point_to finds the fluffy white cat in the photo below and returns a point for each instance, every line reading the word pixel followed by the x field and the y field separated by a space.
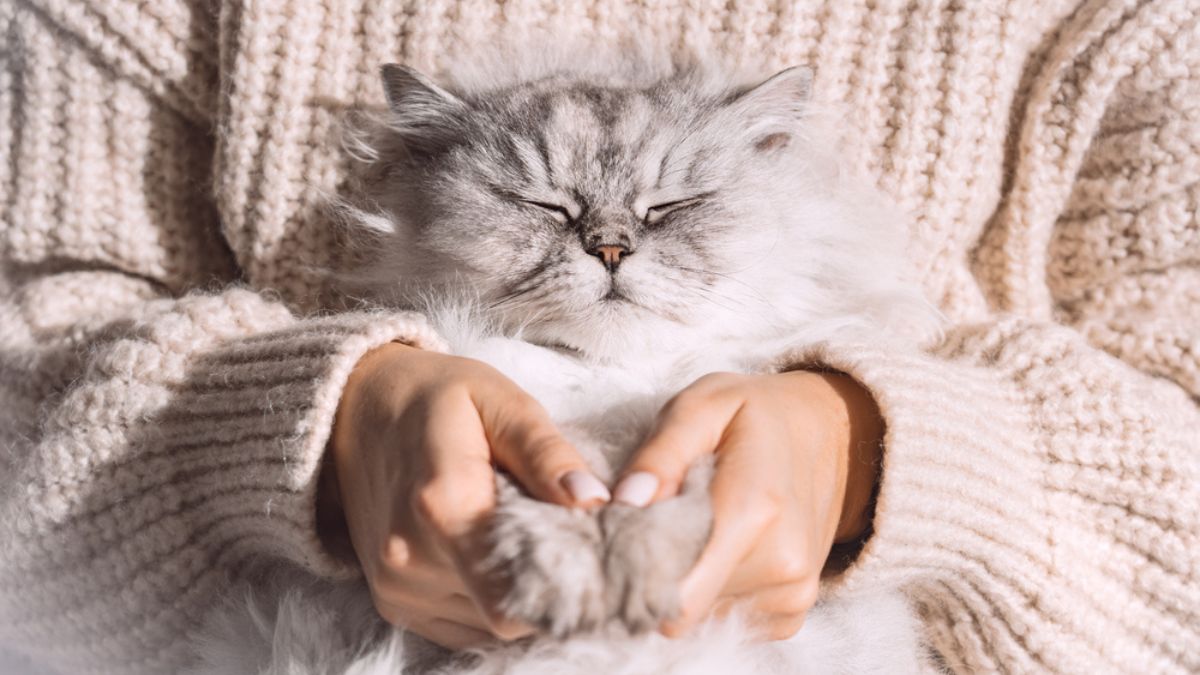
pixel 604 235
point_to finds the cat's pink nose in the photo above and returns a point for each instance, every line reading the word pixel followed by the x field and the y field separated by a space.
pixel 609 254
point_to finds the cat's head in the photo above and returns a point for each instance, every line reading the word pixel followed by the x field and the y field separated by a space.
pixel 607 218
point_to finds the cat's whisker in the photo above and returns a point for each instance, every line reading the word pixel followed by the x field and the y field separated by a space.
pixel 766 302
pixel 712 296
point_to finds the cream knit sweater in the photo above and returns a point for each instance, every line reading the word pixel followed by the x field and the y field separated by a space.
pixel 167 380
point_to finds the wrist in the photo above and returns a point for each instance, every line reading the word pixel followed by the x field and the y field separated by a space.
pixel 862 450
pixel 357 404
pixel 345 438
pixel 853 436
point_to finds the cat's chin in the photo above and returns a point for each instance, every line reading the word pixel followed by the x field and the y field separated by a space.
pixel 612 341
pixel 603 350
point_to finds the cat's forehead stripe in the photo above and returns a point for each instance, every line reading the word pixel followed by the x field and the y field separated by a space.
pixel 574 134
pixel 530 150
pixel 600 144
pixel 511 151
pixel 614 139
pixel 641 125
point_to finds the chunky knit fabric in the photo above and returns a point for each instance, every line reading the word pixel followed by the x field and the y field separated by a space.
pixel 167 376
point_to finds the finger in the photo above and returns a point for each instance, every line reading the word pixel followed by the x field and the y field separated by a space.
pixel 418 569
pixel 462 570
pixel 690 425
pixel 527 444
pixel 768 604
pixel 779 627
pixel 454 506
pixel 741 516
pixel 459 489
pixel 701 587
pixel 464 610
pixel 783 560
pixel 422 584
pixel 450 634
pixel 775 613
pixel 456 607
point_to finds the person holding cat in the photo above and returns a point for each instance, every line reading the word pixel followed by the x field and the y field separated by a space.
pixel 181 404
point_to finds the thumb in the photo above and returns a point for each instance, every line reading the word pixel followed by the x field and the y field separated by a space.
pixel 690 426
pixel 527 444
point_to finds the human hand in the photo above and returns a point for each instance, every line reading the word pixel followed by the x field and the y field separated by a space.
pixel 415 441
pixel 796 464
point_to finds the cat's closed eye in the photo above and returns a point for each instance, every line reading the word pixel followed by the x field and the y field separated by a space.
pixel 659 211
pixel 560 213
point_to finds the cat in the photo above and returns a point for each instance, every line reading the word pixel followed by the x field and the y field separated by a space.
pixel 619 241
pixel 604 236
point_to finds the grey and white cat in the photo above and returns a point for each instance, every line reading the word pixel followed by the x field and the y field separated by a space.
pixel 604 239
pixel 621 240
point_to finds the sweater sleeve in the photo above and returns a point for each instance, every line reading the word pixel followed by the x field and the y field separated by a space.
pixel 1040 493
pixel 154 439
pixel 1039 501
pixel 187 445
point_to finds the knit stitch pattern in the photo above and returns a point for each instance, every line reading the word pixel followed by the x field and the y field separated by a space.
pixel 169 366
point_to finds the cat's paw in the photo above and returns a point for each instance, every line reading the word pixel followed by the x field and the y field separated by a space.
pixel 549 557
pixel 643 569
pixel 649 550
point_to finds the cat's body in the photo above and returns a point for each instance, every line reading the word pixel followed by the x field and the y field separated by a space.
pixel 572 571
pixel 622 238
pixel 603 238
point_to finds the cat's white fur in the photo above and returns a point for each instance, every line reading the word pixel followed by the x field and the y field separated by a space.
pixel 826 263
pixel 298 626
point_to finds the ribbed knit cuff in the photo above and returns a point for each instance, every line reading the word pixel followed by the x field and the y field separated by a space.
pixel 959 523
pixel 1036 501
pixel 274 397
pixel 187 447
pixel 949 483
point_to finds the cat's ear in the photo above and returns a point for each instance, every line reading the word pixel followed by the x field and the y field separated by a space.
pixel 408 92
pixel 772 107
pixel 425 118
pixel 789 87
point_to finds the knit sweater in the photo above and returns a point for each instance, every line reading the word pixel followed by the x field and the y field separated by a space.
pixel 170 366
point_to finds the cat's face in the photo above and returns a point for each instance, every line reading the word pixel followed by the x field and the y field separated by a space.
pixel 599 217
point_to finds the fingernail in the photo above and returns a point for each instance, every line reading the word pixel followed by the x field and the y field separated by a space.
pixel 637 489
pixel 584 487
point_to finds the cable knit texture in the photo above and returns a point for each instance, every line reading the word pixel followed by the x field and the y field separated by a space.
pixel 169 372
